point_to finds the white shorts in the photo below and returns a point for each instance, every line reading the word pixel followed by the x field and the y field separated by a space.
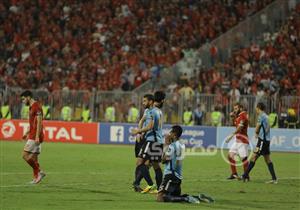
pixel 32 147
pixel 239 148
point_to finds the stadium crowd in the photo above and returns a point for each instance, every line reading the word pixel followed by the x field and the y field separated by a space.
pixel 119 44
pixel 266 68
pixel 106 44
pixel 264 71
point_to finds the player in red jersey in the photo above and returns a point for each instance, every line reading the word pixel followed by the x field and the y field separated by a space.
pixel 240 136
pixel 34 136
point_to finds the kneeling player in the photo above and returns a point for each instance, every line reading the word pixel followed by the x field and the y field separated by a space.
pixel 170 190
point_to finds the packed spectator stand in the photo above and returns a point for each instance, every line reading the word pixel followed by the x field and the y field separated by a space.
pixel 56 46
pixel 106 44
pixel 268 70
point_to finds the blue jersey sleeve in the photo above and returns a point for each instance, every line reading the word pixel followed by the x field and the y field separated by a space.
pixel 180 151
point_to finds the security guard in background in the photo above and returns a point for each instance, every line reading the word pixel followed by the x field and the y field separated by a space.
pixel 273 120
pixel 86 114
pixel 216 117
pixel 46 111
pixel 188 117
pixel 66 113
pixel 5 112
pixel 110 113
pixel 133 114
pixel 25 112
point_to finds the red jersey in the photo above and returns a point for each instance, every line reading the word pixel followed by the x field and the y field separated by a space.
pixel 34 111
pixel 242 120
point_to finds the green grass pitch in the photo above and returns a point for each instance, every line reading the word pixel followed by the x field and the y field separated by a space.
pixel 88 177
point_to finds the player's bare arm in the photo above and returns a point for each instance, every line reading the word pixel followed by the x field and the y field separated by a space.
pixel 169 138
pixel 232 115
pixel 140 125
pixel 143 130
pixel 25 136
pixel 168 141
pixel 228 139
pixel 165 158
pixel 141 122
pixel 38 128
pixel 257 128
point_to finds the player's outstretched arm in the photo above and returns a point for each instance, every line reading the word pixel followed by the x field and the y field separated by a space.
pixel 239 128
pixel 228 138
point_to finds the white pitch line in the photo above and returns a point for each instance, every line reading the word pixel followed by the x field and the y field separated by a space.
pixel 225 180
pixel 43 185
pixel 82 184
pixel 67 173
pixel 101 173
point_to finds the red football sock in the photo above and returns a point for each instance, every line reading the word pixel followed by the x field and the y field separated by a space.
pixel 245 165
pixel 232 165
pixel 35 166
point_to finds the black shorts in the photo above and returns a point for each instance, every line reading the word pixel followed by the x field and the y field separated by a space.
pixel 262 147
pixel 151 151
pixel 138 146
pixel 171 185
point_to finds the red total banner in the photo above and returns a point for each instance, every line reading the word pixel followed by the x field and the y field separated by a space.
pixel 54 131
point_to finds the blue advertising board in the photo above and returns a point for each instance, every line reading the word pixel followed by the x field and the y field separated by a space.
pixel 119 133
pixel 116 133
pixel 196 135
pixel 281 139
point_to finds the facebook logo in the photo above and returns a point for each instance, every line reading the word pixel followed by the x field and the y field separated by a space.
pixel 117 134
